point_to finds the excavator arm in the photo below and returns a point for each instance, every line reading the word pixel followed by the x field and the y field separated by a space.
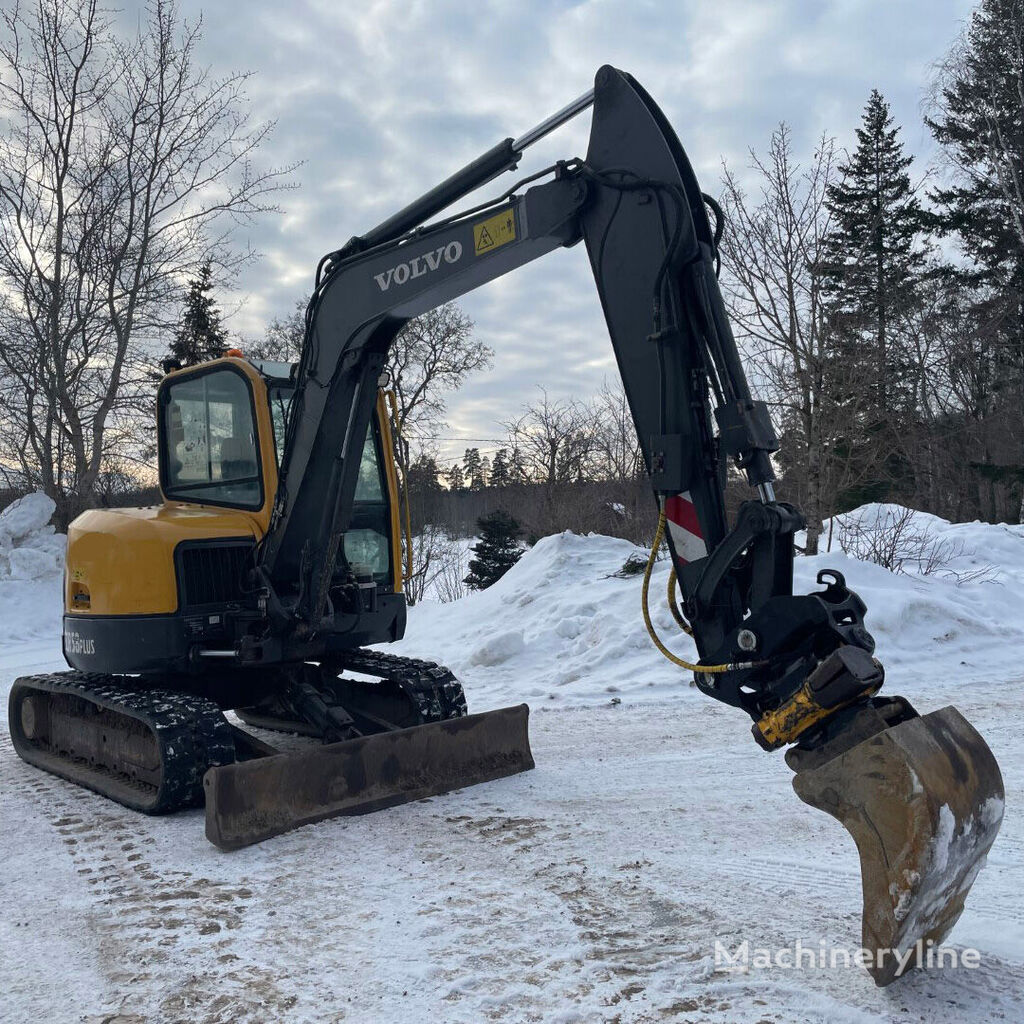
pixel 922 796
pixel 636 204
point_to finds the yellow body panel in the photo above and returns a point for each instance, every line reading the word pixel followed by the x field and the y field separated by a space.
pixel 121 561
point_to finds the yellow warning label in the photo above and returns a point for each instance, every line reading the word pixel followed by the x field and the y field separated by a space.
pixel 494 232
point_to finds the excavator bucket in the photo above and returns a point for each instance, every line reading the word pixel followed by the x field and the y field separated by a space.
pixel 250 801
pixel 923 801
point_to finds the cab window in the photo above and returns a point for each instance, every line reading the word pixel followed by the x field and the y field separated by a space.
pixel 368 538
pixel 280 402
pixel 208 441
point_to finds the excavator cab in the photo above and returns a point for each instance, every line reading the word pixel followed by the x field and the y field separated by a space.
pixel 164 589
pixel 210 455
pixel 208 439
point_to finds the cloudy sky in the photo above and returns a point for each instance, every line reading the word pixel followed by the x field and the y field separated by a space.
pixel 381 99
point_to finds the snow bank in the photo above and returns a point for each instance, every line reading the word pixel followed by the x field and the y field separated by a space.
pixel 560 628
pixel 920 544
pixel 29 548
pixel 31 563
pixel 557 627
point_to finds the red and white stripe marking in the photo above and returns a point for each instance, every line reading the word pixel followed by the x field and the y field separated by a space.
pixel 684 528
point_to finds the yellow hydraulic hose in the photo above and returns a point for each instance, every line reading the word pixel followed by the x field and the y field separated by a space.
pixel 655 639
pixel 407 519
pixel 673 607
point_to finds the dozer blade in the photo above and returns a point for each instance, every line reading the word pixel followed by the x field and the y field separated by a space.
pixel 923 801
pixel 253 800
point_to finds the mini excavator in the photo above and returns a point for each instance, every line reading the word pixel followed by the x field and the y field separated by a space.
pixel 272 571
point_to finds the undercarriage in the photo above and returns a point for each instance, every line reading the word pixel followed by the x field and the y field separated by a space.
pixel 394 729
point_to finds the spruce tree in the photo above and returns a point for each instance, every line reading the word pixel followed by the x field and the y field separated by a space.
pixel 875 257
pixel 496 551
pixel 200 334
pixel 978 119
pixel 871 276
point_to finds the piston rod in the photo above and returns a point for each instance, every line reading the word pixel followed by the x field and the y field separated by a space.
pixel 567 113
pixel 500 158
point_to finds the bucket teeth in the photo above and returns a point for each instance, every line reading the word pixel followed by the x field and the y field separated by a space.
pixel 923 801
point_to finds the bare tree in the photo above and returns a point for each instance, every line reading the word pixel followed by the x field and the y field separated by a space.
pixel 555 439
pixel 283 337
pixel 616 447
pixel 772 257
pixel 439 564
pixel 431 356
pixel 123 164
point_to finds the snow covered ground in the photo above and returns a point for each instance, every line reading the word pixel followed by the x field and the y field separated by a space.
pixel 593 888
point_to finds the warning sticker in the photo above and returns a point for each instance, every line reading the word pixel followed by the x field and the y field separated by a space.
pixel 494 232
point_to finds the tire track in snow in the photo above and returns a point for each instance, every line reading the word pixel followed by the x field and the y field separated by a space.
pixel 150 920
pixel 628 936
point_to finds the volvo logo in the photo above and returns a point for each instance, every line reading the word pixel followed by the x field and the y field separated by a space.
pixel 419 265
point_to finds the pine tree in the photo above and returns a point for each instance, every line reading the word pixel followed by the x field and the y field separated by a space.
pixel 875 257
pixel 456 481
pixel 423 475
pixel 500 476
pixel 472 469
pixel 517 466
pixel 200 334
pixel 496 551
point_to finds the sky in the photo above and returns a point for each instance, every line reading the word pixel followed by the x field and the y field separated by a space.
pixel 381 99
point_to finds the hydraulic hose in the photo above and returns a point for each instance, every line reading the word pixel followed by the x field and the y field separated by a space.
pixel 407 517
pixel 653 633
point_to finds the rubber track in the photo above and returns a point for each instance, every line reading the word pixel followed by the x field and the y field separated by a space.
pixel 191 731
pixel 434 689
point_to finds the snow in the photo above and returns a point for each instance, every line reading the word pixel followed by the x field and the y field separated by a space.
pixel 31 562
pixel 592 888
pixel 29 548
pixel 26 516
pixel 498 649
pixel 583 637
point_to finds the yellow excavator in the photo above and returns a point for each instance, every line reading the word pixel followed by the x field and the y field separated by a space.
pixel 266 581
